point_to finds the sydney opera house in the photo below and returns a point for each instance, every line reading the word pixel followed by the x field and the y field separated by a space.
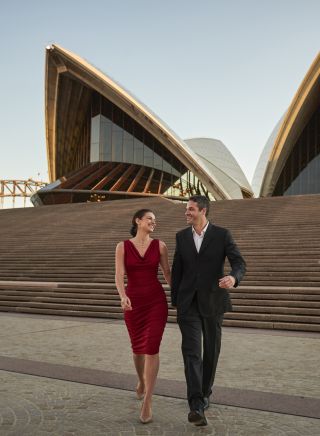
pixel 103 143
pixel 290 161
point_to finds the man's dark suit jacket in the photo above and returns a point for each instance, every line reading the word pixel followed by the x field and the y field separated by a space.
pixel 194 272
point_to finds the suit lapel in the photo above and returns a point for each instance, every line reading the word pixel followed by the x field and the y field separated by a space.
pixel 207 238
pixel 190 241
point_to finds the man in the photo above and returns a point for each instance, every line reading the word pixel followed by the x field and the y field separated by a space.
pixel 199 292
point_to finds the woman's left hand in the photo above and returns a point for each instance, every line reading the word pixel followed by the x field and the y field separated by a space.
pixel 126 303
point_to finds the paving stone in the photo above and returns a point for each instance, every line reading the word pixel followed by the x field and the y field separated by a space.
pixel 265 362
pixel 170 415
pixel 39 406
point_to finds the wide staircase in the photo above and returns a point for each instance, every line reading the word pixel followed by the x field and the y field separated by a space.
pixel 60 259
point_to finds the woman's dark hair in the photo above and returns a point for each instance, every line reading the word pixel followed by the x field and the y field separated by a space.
pixel 139 214
pixel 202 202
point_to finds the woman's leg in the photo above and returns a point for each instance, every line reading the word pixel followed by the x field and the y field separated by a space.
pixel 151 368
pixel 139 363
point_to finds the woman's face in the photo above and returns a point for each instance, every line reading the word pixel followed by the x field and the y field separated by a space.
pixel 147 223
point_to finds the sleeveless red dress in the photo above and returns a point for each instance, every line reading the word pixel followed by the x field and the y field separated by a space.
pixel 147 319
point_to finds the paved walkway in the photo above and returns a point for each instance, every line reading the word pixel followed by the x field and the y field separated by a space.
pixel 72 376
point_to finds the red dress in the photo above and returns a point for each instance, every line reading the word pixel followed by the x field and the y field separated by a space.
pixel 147 319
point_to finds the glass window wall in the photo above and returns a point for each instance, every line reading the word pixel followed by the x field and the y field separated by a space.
pixel 115 137
pixel 121 139
pixel 301 173
pixel 128 155
pixel 106 139
pixel 95 139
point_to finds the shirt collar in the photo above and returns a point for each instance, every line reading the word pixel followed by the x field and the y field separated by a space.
pixel 203 231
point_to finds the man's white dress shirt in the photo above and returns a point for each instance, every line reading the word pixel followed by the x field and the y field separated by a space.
pixel 199 238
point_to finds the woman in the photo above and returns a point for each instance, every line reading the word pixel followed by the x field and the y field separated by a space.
pixel 143 301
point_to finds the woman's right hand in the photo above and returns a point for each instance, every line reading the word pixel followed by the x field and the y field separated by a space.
pixel 126 303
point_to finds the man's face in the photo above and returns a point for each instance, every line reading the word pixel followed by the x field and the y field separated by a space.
pixel 193 214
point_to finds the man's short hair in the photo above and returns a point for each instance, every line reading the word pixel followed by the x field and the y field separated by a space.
pixel 201 201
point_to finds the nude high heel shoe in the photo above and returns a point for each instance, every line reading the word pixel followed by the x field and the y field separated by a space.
pixel 148 419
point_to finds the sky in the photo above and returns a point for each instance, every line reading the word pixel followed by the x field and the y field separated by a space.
pixel 226 69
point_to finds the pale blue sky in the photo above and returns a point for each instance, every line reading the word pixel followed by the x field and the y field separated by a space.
pixel 226 69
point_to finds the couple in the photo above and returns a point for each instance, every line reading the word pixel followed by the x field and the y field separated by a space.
pixel 198 291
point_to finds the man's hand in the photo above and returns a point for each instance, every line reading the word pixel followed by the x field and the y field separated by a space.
pixel 126 303
pixel 227 282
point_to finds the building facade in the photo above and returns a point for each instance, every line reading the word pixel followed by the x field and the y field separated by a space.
pixel 290 161
pixel 103 143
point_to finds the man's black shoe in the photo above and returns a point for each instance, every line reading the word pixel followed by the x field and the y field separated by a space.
pixel 197 417
pixel 206 403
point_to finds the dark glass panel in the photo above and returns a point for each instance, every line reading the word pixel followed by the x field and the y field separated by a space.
pixel 106 108
pixel 138 131
pixel 148 149
pixel 303 148
pixel 117 143
pixel 148 140
pixel 138 152
pixel 117 116
pixel 148 157
pixel 128 123
pixel 117 137
pixel 128 155
pixel 106 139
pixel 305 181
pixel 95 129
pixel 167 167
pixel 95 139
pixel 95 104
pixel 157 161
pixel 301 173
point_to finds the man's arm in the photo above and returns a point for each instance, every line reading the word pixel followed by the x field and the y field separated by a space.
pixel 176 274
pixel 238 264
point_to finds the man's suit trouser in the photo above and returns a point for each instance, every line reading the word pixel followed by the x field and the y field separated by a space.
pixel 199 371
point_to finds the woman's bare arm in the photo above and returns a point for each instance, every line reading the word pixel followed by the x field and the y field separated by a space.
pixel 164 262
pixel 119 278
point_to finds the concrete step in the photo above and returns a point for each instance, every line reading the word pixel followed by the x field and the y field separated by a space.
pixel 284 282
pixel 272 325
pixel 273 317
pixel 299 303
pixel 281 248
pixel 276 310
